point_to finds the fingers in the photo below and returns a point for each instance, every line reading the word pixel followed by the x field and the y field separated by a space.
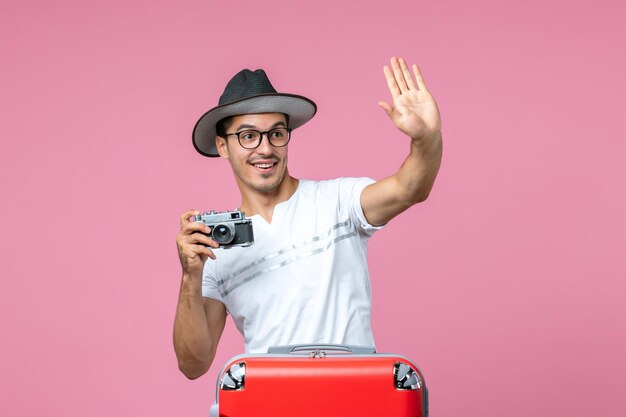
pixel 199 238
pixel 191 254
pixel 196 233
pixel 186 216
pixel 193 237
pixel 391 82
pixel 204 252
pixel 194 246
pixel 418 77
pixel 399 77
pixel 406 74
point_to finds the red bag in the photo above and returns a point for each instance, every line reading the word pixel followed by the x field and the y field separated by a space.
pixel 320 381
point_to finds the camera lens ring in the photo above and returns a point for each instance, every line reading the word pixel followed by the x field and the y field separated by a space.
pixel 223 233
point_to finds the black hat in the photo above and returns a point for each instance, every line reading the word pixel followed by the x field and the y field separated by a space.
pixel 246 93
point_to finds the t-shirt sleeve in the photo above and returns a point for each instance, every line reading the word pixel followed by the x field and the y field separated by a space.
pixel 209 282
pixel 351 192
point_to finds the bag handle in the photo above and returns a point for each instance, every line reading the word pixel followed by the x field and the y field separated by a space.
pixel 357 350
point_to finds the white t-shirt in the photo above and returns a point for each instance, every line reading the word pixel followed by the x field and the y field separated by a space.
pixel 305 279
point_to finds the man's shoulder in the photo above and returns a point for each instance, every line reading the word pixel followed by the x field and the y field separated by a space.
pixel 334 182
pixel 341 185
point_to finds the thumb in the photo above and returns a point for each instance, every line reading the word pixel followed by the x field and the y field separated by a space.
pixel 387 108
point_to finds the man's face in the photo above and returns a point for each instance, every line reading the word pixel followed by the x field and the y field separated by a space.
pixel 263 168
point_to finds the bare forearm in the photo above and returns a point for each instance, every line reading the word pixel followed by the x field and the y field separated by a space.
pixel 416 176
pixel 192 339
pixel 411 184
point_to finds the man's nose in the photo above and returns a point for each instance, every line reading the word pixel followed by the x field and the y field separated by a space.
pixel 265 147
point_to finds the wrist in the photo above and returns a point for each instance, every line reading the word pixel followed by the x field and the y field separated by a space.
pixel 427 143
pixel 191 283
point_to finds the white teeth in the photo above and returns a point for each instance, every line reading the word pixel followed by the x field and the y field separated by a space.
pixel 263 165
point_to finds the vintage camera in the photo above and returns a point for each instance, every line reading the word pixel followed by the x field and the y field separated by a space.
pixel 228 228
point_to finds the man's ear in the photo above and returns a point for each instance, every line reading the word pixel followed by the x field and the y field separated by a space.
pixel 222 146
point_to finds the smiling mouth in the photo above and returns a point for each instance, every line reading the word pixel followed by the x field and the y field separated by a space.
pixel 264 165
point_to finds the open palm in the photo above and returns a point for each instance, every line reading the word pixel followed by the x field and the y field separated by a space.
pixel 414 110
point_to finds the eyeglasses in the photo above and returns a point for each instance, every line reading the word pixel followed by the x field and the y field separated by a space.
pixel 251 139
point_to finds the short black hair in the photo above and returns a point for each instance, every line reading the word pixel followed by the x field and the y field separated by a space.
pixel 223 125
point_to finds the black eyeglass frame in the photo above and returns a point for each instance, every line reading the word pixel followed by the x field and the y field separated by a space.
pixel 266 133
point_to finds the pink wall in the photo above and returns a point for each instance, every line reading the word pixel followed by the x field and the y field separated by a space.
pixel 507 286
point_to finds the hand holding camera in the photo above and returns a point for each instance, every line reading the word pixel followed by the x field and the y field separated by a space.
pixel 228 228
pixel 200 233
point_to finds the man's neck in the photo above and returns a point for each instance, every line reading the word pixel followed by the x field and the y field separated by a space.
pixel 263 203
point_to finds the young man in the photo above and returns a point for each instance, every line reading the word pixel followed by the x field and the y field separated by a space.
pixel 305 279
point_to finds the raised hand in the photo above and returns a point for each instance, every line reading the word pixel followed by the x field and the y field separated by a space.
pixel 414 110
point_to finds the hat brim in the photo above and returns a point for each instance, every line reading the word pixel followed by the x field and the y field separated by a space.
pixel 299 109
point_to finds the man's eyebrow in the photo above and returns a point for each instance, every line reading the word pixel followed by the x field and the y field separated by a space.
pixel 278 124
pixel 247 126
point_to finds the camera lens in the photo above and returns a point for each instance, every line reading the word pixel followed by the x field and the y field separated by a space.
pixel 223 233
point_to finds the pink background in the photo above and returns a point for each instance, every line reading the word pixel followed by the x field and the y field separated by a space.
pixel 506 286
